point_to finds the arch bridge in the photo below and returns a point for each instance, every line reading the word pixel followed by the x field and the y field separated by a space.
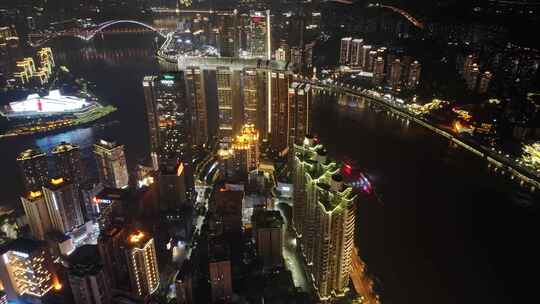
pixel 86 34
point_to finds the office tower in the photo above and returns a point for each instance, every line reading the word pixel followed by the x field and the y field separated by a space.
pixel 356 52
pixel 199 116
pixel 345 50
pixel 169 122
pixel 219 268
pixel 26 69
pixel 109 246
pixel 364 57
pixel 67 161
pixel 228 210
pixel 280 54
pixel 324 219
pixel 87 278
pixel 299 113
pixel 279 110
pixel 26 269
pixel 111 164
pixel 228 36
pixel 395 75
pixel 268 235
pixel 414 75
pixel 46 59
pixel 251 96
pixel 184 283
pixel 259 37
pixel 33 169
pixel 140 254
pixel 168 118
pixel 37 214
pixel 246 149
pixel 483 85
pixel 62 201
pixel 378 71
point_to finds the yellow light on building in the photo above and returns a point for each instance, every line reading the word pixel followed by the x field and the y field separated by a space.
pixel 57 181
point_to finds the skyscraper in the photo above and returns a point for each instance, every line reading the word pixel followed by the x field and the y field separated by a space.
pixel 395 75
pixel 356 52
pixel 279 110
pixel 323 218
pixel 259 38
pixel 364 57
pixel 345 50
pixel 199 116
pixel 169 124
pixel 111 164
pixel 87 278
pixel 140 254
pixel 299 113
pixel 251 96
pixel 67 161
pixel 62 201
pixel 228 36
pixel 378 71
pixel 184 283
pixel 169 120
pixel 414 75
pixel 37 214
pixel 33 169
pixel 25 269
pixel 225 105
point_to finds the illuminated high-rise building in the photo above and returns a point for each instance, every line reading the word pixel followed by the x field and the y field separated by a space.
pixel 483 84
pixel 299 113
pixel 110 243
pixel 33 168
pixel 111 164
pixel 87 278
pixel 229 108
pixel 364 57
pixel 280 54
pixel 279 110
pixel 324 219
pixel 251 96
pixel 26 68
pixel 37 214
pixel 46 60
pixel 67 162
pixel 356 52
pixel 296 56
pixel 169 123
pixel 259 37
pixel 228 36
pixel 414 75
pixel 246 149
pixel 62 200
pixel 378 71
pixel 199 116
pixel 140 254
pixel 345 50
pixel 395 75
pixel 372 57
pixel 25 269
pixel 471 77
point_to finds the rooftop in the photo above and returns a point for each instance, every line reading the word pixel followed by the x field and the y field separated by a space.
pixel 85 261
pixel 267 219
pixel 64 147
pixel 29 154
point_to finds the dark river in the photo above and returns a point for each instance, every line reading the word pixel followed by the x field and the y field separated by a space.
pixel 444 229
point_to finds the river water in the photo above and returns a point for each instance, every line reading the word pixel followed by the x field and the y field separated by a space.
pixel 443 228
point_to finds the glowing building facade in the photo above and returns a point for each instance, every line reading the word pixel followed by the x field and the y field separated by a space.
pixel 323 218
pixel 246 149
pixel 33 169
pixel 199 115
pixel 279 109
pixel 259 37
pixel 25 269
pixel 140 254
pixel 62 201
pixel 111 164
pixel 37 214
pixel 67 161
